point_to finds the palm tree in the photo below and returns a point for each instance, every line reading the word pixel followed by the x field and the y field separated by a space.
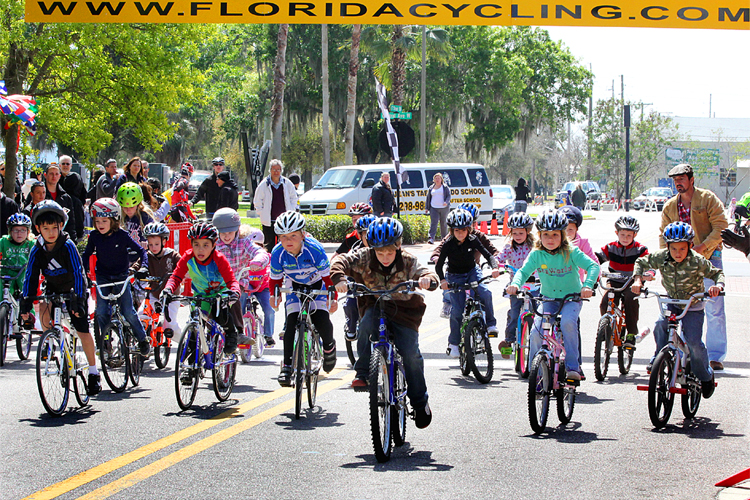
pixel 279 80
pixel 351 101
pixel 324 78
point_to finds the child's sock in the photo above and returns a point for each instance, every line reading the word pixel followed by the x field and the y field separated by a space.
pixel 93 370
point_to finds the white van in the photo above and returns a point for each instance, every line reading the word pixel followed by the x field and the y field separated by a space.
pixel 341 187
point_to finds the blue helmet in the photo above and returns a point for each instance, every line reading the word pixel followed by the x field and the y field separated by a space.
pixel 677 232
pixel 384 231
pixel 471 208
pixel 364 222
pixel 573 214
pixel 19 219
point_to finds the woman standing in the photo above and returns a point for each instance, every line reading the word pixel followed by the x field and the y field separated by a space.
pixel 438 205
pixel 134 171
pixel 522 196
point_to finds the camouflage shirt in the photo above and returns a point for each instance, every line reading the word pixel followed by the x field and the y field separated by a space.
pixel 680 279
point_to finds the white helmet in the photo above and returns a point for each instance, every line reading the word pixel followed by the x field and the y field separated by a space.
pixel 551 220
pixel 289 222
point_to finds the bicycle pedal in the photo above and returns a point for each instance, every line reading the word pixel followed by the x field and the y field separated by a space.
pixel 573 383
pixel 492 335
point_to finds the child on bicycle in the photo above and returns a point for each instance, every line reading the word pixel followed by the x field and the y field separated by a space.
pixel 135 214
pixel 113 247
pixel 514 254
pixel 382 266
pixel 683 271
pixel 210 273
pixel 238 246
pixel 162 262
pixel 356 211
pixel 458 249
pixel 622 254
pixel 55 256
pixel 301 259
pixel 558 263
pixel 15 248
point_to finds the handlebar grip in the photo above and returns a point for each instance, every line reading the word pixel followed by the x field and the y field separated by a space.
pixel 433 286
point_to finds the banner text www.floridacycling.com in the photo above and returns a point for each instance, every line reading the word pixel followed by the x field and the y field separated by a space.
pixel 701 14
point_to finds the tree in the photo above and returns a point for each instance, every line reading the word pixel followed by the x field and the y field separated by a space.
pixel 279 81
pixel 351 95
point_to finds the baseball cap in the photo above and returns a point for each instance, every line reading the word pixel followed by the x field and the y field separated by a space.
pixel 681 169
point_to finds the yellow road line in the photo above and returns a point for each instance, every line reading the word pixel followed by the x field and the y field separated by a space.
pixel 178 456
pixel 62 487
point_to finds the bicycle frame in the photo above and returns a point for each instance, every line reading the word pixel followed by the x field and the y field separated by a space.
pixel 151 318
pixel 306 296
pixel 8 297
pixel 614 313
pixel 204 344
pixel 112 298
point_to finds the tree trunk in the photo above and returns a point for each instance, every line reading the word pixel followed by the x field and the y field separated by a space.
pixel 398 66
pixel 279 81
pixel 14 75
pixel 351 100
pixel 324 77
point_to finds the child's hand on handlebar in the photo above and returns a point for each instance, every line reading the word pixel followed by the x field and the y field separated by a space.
pixel 275 301
pixel 341 287
pixel 332 306
pixel 443 284
pixel 586 292
pixel 714 291
pixel 495 273
pixel 511 290
pixel 425 283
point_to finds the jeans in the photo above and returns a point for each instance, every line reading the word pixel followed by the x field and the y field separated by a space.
pixel 568 325
pixel 438 215
pixel 104 311
pixel 520 206
pixel 407 343
pixel 351 315
pixel 511 327
pixel 692 332
pixel 264 298
pixel 458 300
pixel 716 329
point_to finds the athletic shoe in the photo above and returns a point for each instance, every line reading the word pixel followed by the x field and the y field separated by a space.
pixel 230 345
pixel 573 375
pixel 707 388
pixel 245 340
pixel 580 372
pixel 423 416
pixel 359 385
pixel 492 332
pixel 452 351
pixel 270 342
pixel 145 347
pixel 94 386
pixel 186 377
pixel 329 358
pixel 629 340
pixel 717 365
pixel 285 377
pixel 446 311
pixel 169 333
pixel 505 348
pixel 350 336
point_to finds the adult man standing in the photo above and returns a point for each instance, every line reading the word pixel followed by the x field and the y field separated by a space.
pixel 108 183
pixel 144 171
pixel 579 197
pixel 17 183
pixel 210 189
pixel 274 195
pixel 72 183
pixel 382 196
pixel 703 210
pixel 57 193
pixel 7 208
pixel 37 194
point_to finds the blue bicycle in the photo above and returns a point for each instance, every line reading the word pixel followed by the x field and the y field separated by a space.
pixel 204 337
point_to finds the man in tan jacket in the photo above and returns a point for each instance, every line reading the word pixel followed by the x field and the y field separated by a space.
pixel 703 210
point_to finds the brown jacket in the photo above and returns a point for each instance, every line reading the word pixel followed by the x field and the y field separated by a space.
pixel 706 217
pixel 363 266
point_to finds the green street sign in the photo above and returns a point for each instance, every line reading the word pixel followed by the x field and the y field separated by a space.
pixel 398 116
pixel 395 108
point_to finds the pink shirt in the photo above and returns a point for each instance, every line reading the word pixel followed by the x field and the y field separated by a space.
pixel 585 247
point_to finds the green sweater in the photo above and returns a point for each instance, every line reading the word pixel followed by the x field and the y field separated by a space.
pixel 559 277
pixel 12 254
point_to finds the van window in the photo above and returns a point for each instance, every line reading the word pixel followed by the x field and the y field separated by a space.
pixel 453 177
pixel 478 177
pixel 414 182
pixel 339 178
pixel 374 176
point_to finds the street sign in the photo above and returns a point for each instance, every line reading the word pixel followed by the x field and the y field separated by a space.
pixel 398 116
pixel 395 108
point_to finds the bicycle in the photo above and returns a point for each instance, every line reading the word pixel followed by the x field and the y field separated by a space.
pixel 10 327
pixel 119 353
pixel 672 366
pixel 151 320
pixel 190 367
pixel 610 332
pixel 57 361
pixel 253 323
pixel 547 374
pixel 519 349
pixel 307 357
pixel 387 379
pixel 475 351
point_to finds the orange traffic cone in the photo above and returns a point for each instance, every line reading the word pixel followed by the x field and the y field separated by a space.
pixel 483 227
pixel 493 227
pixel 506 229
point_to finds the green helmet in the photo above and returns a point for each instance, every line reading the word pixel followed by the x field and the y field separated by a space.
pixel 129 195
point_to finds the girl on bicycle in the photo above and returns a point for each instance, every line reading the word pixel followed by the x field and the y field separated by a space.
pixel 237 243
pixel 136 214
pixel 162 262
pixel 113 246
pixel 558 263
pixel 514 254
pixel 459 249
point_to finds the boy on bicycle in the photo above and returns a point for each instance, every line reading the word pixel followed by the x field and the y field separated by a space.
pixel 16 246
pixel 382 266
pixel 162 262
pixel 302 260
pixel 622 254
pixel 683 271
pixel 55 256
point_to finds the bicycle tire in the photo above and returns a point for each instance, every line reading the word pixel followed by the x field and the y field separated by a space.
pixel 23 344
pixel 624 359
pixel 135 359
pixel 186 392
pixel 224 371
pixel 4 332
pixel 522 350
pixel 52 374
pixel 380 406
pixel 315 362
pixel 692 400
pixel 350 350
pixel 479 352
pixel 566 401
pixel 463 359
pixel 601 348
pixel 115 357
pixel 399 412
pixel 80 382
pixel 540 390
pixel 660 400
pixel 247 325
pixel 260 339
pixel 162 350
pixel 298 368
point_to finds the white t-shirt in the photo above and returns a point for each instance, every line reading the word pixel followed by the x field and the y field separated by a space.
pixel 438 200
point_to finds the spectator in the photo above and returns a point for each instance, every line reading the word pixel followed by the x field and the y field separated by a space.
pixel 7 208
pixel 144 169
pixel 579 197
pixel 106 186
pixel 274 195
pixel 523 197
pixel 18 184
pixel 296 179
pixel 228 192
pixel 134 171
pixel 57 193
pixel 37 194
pixel 382 196
pixel 209 189
pixel 438 205
pixel 96 174
pixel 34 176
pixel 72 183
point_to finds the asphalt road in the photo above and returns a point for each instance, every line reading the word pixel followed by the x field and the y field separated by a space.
pixel 139 445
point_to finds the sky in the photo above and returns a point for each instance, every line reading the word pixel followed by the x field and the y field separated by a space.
pixel 676 70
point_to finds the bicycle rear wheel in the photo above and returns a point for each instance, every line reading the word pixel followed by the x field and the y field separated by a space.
pixel 660 400
pixel 316 361
pixel 162 350
pixel 81 380
pixel 23 344
pixel 52 374
pixel 566 400
pixel 224 370
pixel 248 326
pixel 479 351
pixel 114 355
pixel 136 360
pixel 522 350
pixel 540 389
pixel 463 356
pixel 185 375
pixel 603 348
pixel 692 399
pixel 4 332
pixel 399 411
pixel 298 367
pixel 380 405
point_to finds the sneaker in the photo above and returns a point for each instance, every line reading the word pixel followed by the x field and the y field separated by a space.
pixel 350 336
pixel 649 366
pixel 245 340
pixel 573 375
pixel 186 377
pixel 505 347
pixel 329 358
pixel 359 385
pixel 423 416
pixel 230 345
pixel 94 386
pixel 431 241
pixel 285 377
pixel 145 347
pixel 169 333
pixel 717 365
pixel 281 335
pixel 270 342
pixel 446 311
pixel 580 372
pixel 707 388
pixel 629 340
pixel 492 332
pixel 452 351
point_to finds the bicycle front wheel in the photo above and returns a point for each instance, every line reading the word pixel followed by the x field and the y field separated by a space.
pixel 522 349
pixel 351 350
pixel 185 374
pixel 136 360
pixel 540 389
pixel 4 332
pixel 479 351
pixel 603 348
pixel 248 326
pixel 380 405
pixel 224 370
pixel 315 362
pixel 260 339
pixel 162 349
pixel 566 400
pixel 298 367
pixel 399 410
pixel 23 344
pixel 114 355
pixel 624 359
pixel 81 380
pixel 660 400
pixel 52 374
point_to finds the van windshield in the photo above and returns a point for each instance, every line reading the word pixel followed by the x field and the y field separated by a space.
pixel 339 178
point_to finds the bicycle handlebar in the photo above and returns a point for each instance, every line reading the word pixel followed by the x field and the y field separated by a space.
pixel 359 290
pixel 615 277
pixel 111 296
pixel 535 301
pixel 456 287
pixel 666 300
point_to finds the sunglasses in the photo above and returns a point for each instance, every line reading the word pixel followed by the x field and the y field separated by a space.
pixel 215 164
pixel 65 164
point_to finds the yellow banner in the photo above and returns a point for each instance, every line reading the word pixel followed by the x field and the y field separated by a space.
pixel 701 14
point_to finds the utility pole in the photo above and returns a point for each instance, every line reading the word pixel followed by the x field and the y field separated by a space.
pixel 710 99
pixel 613 89
pixel 626 110
pixel 423 98
pixel 588 132
pixel 622 89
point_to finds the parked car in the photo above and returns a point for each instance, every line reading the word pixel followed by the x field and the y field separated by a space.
pixel 658 195
pixel 591 188
pixel 196 180
pixel 503 198
pixel 245 195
